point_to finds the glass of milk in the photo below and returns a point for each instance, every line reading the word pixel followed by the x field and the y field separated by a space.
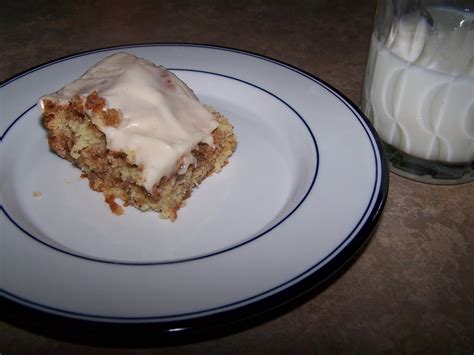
pixel 419 88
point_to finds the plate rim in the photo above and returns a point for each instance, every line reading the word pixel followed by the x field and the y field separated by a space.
pixel 274 301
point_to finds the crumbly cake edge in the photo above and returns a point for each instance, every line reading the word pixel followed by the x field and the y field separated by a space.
pixel 210 160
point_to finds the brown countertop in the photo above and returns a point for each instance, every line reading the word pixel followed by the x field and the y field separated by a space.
pixel 412 288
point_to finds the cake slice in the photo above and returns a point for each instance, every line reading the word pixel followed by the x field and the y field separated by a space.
pixel 138 133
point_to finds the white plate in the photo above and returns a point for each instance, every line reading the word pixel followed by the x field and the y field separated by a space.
pixel 301 194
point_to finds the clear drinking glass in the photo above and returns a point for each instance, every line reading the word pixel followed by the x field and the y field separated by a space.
pixel 419 88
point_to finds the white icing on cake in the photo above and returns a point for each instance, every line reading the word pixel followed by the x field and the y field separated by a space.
pixel 162 118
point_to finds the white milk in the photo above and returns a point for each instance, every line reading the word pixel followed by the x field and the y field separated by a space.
pixel 422 86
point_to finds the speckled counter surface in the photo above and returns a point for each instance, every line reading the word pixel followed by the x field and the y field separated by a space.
pixel 411 290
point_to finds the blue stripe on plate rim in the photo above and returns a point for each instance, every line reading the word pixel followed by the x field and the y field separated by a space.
pixel 330 264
